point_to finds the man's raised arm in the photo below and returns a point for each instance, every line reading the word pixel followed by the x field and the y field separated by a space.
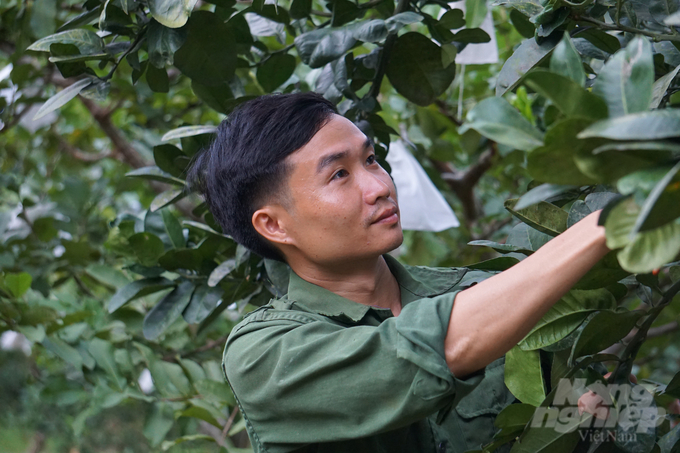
pixel 488 319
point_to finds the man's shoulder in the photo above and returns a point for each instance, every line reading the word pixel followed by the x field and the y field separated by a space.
pixel 275 313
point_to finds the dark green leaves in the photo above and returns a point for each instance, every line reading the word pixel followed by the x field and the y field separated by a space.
pixel 167 310
pixel 163 42
pixel 208 55
pixel 137 289
pixel 654 125
pixel 275 70
pixel 496 119
pixel 566 61
pixel 545 217
pixel 566 94
pixel 416 71
pixel 626 80
pixel 528 55
pixel 524 376
pixel 603 330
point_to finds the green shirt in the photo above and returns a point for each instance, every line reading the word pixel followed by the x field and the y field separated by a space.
pixel 315 372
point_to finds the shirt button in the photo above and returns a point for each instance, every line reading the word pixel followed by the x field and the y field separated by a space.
pixel 442 447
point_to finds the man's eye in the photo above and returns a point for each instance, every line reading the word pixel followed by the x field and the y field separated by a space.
pixel 371 159
pixel 340 174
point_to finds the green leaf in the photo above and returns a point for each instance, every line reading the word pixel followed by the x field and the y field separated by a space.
pixel 203 302
pixel 275 71
pixel 166 198
pixel 215 392
pixel 549 440
pixel 528 55
pixel 472 36
pixel 475 12
pixel 670 442
pixel 155 174
pixel 187 131
pixel 603 330
pixel 653 198
pixel 500 263
pixel 496 119
pixel 157 79
pixel 600 39
pixel 370 31
pixel 219 98
pixel 107 275
pixel 452 19
pixel 524 376
pixel 625 81
pixel 208 55
pixel 555 162
pixel 654 125
pixel 168 444
pixel 415 69
pixel 449 52
pixel 565 316
pixel 620 222
pixel 570 97
pixel 18 283
pixel 651 249
pixel 63 350
pixel 541 193
pixel 173 229
pixel 673 387
pixel 660 87
pixel 398 21
pixel 522 24
pixel 147 248
pixel 163 42
pixel 566 61
pixel 514 416
pixel 545 217
pixel 136 289
pixel 87 42
pixel 300 9
pixel 159 423
pixel 502 248
pixel 102 351
pixel 221 271
pixel 171 13
pixel 167 310
pixel 321 46
pixel 62 97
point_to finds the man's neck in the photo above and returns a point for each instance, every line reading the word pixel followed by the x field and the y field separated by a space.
pixel 368 283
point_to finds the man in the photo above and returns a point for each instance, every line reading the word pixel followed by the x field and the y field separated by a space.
pixel 363 354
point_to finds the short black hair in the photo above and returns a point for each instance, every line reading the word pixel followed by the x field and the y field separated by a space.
pixel 244 166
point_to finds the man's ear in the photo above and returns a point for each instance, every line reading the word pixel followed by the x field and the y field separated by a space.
pixel 270 223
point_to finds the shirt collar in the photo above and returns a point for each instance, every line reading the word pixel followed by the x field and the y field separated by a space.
pixel 415 282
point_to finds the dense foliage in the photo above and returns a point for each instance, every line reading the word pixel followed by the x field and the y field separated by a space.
pixel 110 267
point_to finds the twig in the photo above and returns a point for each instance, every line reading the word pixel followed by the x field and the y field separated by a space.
pixel 227 426
pixel 617 27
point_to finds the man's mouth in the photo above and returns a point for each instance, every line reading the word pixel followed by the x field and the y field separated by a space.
pixel 390 215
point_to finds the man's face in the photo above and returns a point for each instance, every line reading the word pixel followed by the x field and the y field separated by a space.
pixel 344 204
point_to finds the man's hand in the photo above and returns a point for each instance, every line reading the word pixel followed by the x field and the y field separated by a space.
pixel 488 319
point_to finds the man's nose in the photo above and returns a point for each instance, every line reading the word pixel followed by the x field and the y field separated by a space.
pixel 374 187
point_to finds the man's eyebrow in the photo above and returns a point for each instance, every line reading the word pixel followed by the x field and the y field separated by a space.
pixel 331 158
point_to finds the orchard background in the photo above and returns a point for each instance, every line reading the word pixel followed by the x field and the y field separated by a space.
pixel 126 289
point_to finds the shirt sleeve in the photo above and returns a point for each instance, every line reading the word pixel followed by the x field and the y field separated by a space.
pixel 302 379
